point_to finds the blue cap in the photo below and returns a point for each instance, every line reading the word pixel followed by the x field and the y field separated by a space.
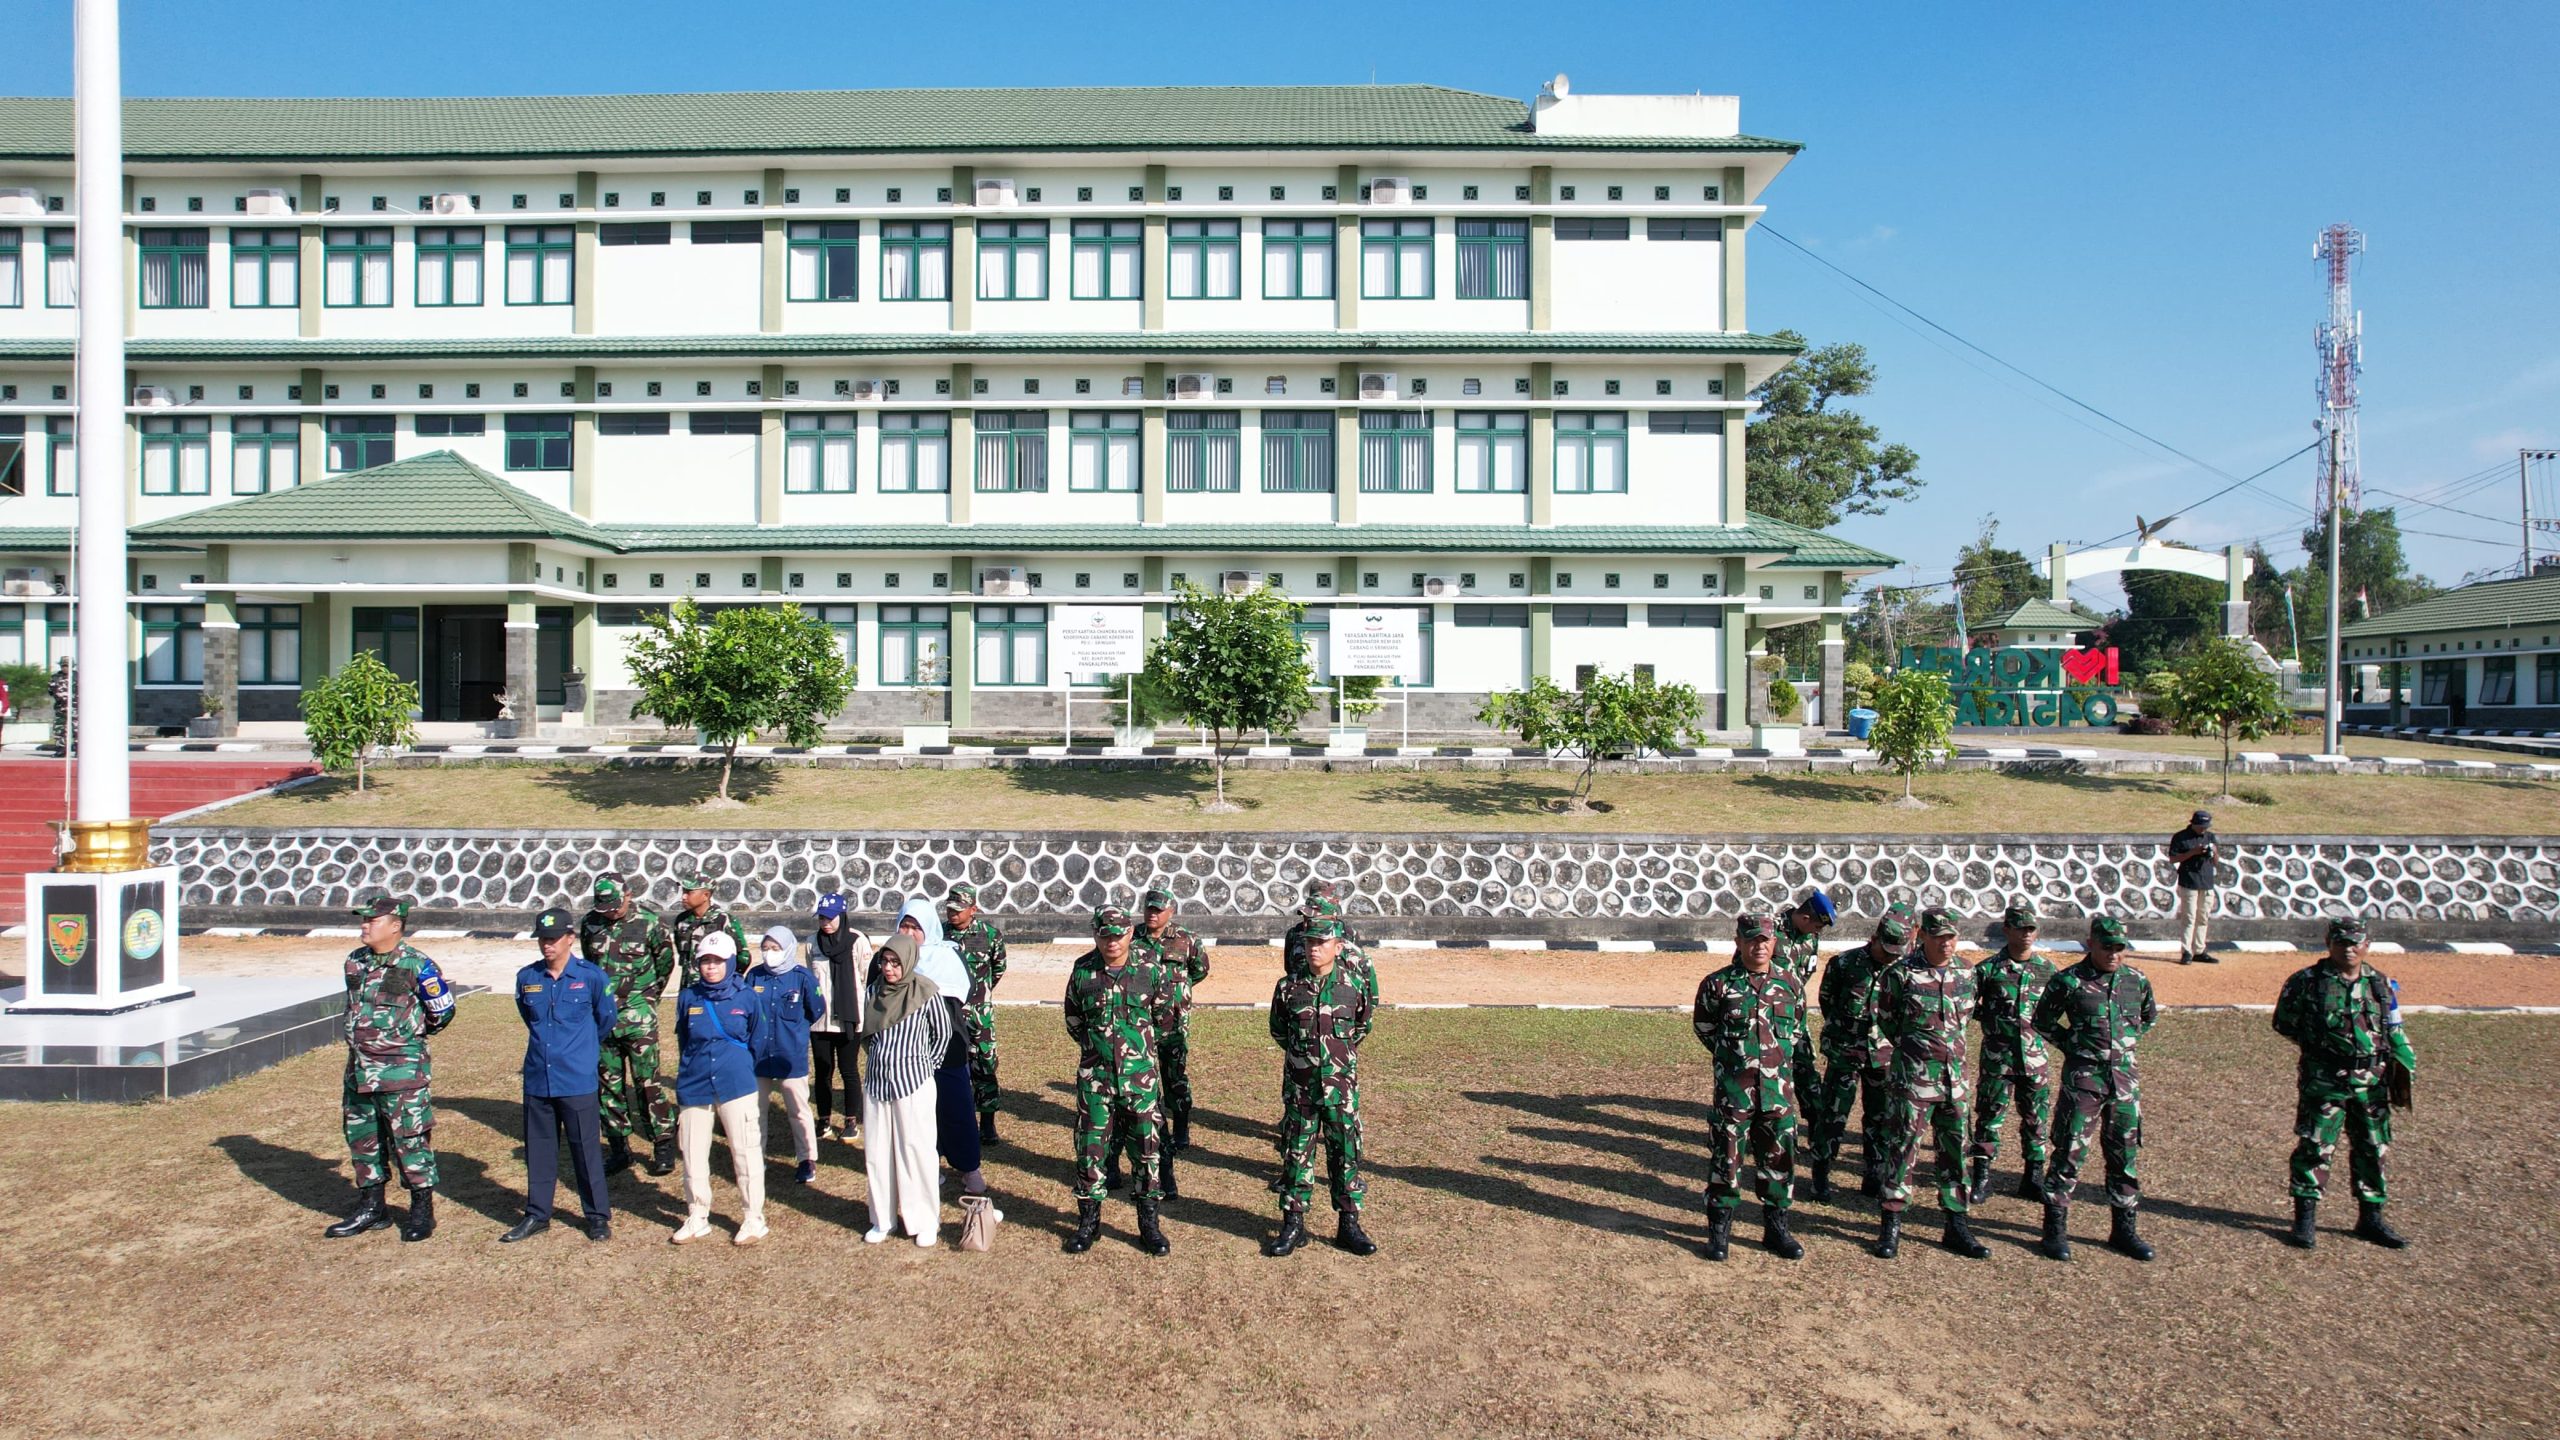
pixel 830 905
pixel 1819 906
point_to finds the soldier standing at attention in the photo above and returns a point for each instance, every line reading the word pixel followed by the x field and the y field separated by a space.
pixel 2006 988
pixel 568 1009
pixel 1853 1054
pixel 699 917
pixel 632 946
pixel 1323 901
pixel 1750 1016
pixel 1116 1007
pixel 2094 1013
pixel 1186 963
pixel 1318 1018
pixel 1922 1008
pixel 2345 1016
pixel 1800 954
pixel 982 954
pixel 396 998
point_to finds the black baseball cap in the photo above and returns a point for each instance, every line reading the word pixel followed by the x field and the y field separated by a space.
pixel 551 924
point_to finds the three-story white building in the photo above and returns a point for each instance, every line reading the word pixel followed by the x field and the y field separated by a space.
pixel 476 383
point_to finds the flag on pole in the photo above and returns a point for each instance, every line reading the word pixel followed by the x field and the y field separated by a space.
pixel 1964 632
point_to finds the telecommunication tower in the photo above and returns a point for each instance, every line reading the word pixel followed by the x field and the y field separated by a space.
pixel 2340 341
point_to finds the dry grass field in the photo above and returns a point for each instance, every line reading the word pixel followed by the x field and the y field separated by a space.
pixel 1535 1180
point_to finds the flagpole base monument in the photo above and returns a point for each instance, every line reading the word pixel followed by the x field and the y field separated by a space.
pixel 102 935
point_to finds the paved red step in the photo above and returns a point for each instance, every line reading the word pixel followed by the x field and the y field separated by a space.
pixel 33 793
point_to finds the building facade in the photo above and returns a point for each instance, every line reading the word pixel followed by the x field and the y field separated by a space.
pixel 475 384
pixel 2484 657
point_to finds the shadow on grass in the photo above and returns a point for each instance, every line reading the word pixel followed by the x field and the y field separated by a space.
pixel 1188 783
pixel 1817 790
pixel 1474 795
pixel 634 1194
pixel 1189 1210
pixel 317 1184
pixel 657 784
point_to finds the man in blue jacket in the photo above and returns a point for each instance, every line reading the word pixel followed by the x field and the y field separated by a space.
pixel 568 1009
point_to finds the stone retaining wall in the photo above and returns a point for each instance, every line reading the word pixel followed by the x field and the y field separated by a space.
pixel 1431 886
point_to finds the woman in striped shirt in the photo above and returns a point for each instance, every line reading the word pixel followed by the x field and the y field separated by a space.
pixel 906 1028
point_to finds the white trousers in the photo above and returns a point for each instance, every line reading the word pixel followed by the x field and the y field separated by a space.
pixel 739 1120
pixel 795 1108
pixel 2195 916
pixel 899 1160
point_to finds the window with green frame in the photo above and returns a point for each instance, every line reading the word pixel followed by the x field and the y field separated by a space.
pixel 1395 259
pixel 1013 260
pixel 915 452
pixel 817 452
pixel 1203 451
pixel 1297 259
pixel 61 458
pixel 392 635
pixel 355 268
pixel 1591 452
pixel 13 269
pixel 825 260
pixel 177 454
pixel 13 637
pixel 542 264
pixel 1102 450
pixel 1493 259
pixel 1013 450
pixel 1297 452
pixel 845 622
pixel 1493 452
pixel 266 453
pixel 172 645
pixel 270 644
pixel 358 442
pixel 1204 260
pixel 1103 260
pixel 913 639
pixel 538 442
pixel 61 268
pixel 176 270
pixel 452 261
pixel 266 269
pixel 1395 451
pixel 13 455
pixel 1012 645
pixel 915 260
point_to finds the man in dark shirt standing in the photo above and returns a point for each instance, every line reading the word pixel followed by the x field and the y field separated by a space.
pixel 2197 854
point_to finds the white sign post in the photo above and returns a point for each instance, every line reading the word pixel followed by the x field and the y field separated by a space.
pixel 1097 639
pixel 1385 641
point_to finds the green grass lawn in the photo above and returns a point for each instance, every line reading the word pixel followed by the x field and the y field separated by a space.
pixel 2361 747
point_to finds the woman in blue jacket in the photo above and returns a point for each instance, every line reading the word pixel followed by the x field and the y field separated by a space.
pixel 718 1027
pixel 789 995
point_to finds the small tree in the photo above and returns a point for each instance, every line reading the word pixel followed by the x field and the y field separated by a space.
pixel 1359 695
pixel 1233 663
pixel 1141 699
pixel 745 669
pixel 1609 715
pixel 362 709
pixel 1915 723
pixel 1857 684
pixel 1784 702
pixel 2221 691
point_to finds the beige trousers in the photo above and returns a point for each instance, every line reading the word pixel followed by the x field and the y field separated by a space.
pixel 2195 916
pixel 795 1108
pixel 899 1160
pixel 739 1120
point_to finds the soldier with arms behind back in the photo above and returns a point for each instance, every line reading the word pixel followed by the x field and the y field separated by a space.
pixel 1800 933
pixel 396 998
pixel 2344 1015
pixel 2006 988
pixel 1922 1008
pixel 637 953
pixel 2094 1013
pixel 1854 1054
pixel 982 954
pixel 1186 963
pixel 699 915
pixel 1116 1006
pixel 1750 1016
pixel 1318 1019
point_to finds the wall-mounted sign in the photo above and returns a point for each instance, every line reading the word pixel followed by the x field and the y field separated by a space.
pixel 2023 685
pixel 1386 640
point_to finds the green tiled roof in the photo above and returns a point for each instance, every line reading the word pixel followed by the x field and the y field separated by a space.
pixel 437 496
pixel 821 122
pixel 1348 344
pixel 2043 614
pixel 1817 550
pixel 2490 605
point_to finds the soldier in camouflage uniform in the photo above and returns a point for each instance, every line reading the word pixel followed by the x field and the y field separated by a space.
pixel 700 916
pixel 1318 1019
pixel 2006 988
pixel 1854 1055
pixel 396 998
pixel 1800 954
pixel 1186 963
pixel 2345 1017
pixel 982 953
pixel 1922 1008
pixel 633 947
pixel 2094 1013
pixel 1116 1007
pixel 1323 901
pixel 1750 1016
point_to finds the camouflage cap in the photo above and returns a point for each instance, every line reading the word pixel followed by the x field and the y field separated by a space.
pixel 1938 920
pixel 1755 926
pixel 2108 931
pixel 1323 890
pixel 1894 926
pixel 960 896
pixel 692 880
pixel 2347 928
pixel 1318 906
pixel 1111 920
pixel 1157 898
pixel 1327 928
pixel 2020 916
pixel 551 924
pixel 380 903
pixel 608 888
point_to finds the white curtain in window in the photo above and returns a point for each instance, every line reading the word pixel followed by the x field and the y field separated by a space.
pixel 61 278
pixel 1609 465
pixel 159 468
pixel 1183 273
pixel 432 275
pixel 991 655
pixel 800 462
pixel 1510 271
pixel 12 276
pixel 1124 270
pixel 933 274
pixel 159 657
pixel 897 657
pixel 1084 270
pixel 1030 656
pixel 338 278
pixel 802 265
pixel 1492 461
pixel 835 461
pixel 1377 269
pixel 1279 268
pixel 1315 270
pixel 284 280
pixel 898 272
pixel 522 275
pixel 1573 471
pixel 377 276
pixel 195 466
pixel 463 282
pixel 994 272
pixel 1413 269
pixel 1225 263
pixel 556 270
pixel 1031 271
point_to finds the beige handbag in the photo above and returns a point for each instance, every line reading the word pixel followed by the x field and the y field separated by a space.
pixel 977 1223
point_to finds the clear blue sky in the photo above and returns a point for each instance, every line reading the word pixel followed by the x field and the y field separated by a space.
pixel 2119 199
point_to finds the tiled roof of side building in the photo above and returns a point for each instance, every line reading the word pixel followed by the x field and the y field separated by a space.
pixel 2489 605
pixel 823 122
pixel 2043 613
pixel 1349 344
pixel 436 496
pixel 1815 549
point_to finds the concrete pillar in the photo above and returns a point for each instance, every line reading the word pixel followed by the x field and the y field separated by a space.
pixel 964 445
pixel 1154 274
pixel 133 267
pixel 1737 462
pixel 1835 654
pixel 311 437
pixel 1346 249
pixel 1542 444
pixel 1734 226
pixel 524 680
pixel 1542 256
pixel 1734 637
pixel 1542 617
pixel 1151 581
pixel 1346 444
pixel 2057 564
pixel 963 656
pixel 582 658
pixel 319 656
pixel 582 442
pixel 775 259
pixel 307 289
pixel 2235 595
pixel 582 277
pixel 769 451
pixel 964 250
pixel 221 641
pixel 1151 449
pixel 1755 691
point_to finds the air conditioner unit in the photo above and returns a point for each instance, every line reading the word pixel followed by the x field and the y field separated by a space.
pixel 1441 587
pixel 869 389
pixel 1240 582
pixel 1377 385
pixel 996 193
pixel 1003 580
pixel 27 580
pixel 154 397
pixel 270 202
pixel 20 200
pixel 453 202
pixel 1390 190
pixel 1194 386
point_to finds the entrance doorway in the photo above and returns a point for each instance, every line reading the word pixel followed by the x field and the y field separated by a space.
pixel 466 661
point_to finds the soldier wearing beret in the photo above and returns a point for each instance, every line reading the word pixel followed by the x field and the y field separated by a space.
pixel 2095 1013
pixel 2344 1016
pixel 1922 1007
pixel 701 915
pixel 396 998
pixel 1750 1016
pixel 2006 988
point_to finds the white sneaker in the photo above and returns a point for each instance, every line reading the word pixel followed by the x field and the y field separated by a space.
pixel 874 1237
pixel 749 1233
pixel 690 1231
pixel 927 1240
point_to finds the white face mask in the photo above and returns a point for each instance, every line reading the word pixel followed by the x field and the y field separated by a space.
pixel 772 954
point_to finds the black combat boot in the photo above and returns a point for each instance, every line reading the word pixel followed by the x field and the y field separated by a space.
pixel 1889 1235
pixel 2029 1187
pixel 1088 1227
pixel 987 1127
pixel 617 1154
pixel 1817 1178
pixel 2371 1226
pixel 1293 1234
pixel 422 1215
pixel 1165 1185
pixel 369 1214
pixel 1775 1237
pixel 1959 1240
pixel 662 1156
pixel 2057 1232
pixel 1347 1234
pixel 1981 1179
pixel 1871 1181
pixel 1150 1232
pixel 1719 1232
pixel 1182 1128
pixel 526 1229
pixel 2305 1234
pixel 2122 1236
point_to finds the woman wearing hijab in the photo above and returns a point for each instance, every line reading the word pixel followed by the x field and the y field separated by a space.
pixel 718 1023
pixel 837 956
pixel 792 1002
pixel 906 1029
pixel 955 1102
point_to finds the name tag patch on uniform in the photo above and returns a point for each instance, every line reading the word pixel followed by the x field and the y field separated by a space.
pixel 693 1009
pixel 533 989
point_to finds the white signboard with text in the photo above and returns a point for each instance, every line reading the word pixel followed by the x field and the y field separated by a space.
pixel 1098 639
pixel 1382 641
